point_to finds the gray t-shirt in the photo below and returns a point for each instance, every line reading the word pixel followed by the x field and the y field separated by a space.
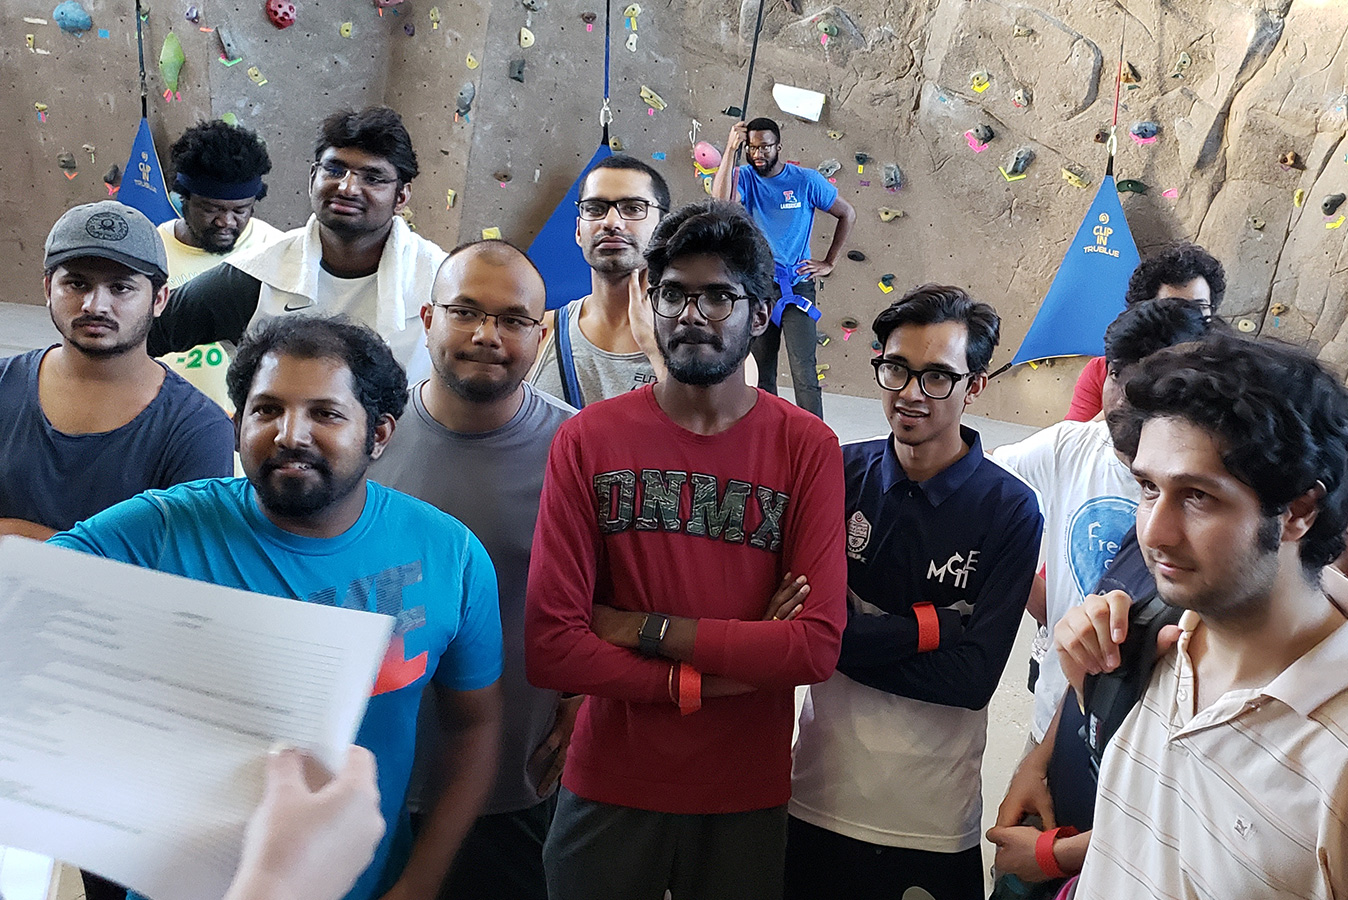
pixel 491 482
pixel 601 374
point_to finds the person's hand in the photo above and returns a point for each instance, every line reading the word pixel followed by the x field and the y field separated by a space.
pixel 552 750
pixel 617 626
pixel 641 321
pixel 310 841
pixel 1015 851
pixel 815 267
pixel 785 603
pixel 739 135
pixel 1027 795
pixel 1088 636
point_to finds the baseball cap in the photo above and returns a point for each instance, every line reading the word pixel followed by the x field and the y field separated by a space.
pixel 109 230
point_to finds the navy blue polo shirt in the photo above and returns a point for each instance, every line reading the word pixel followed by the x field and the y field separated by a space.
pixel 966 539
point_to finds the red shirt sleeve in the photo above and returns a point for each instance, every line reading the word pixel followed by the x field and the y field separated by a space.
pixel 1087 395
pixel 803 650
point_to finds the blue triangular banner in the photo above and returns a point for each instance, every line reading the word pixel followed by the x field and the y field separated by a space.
pixel 1087 293
pixel 555 251
pixel 143 180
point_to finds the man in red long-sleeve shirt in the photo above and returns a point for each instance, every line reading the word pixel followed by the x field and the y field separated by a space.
pixel 688 572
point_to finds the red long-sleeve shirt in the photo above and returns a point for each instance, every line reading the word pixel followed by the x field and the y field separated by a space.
pixel 640 514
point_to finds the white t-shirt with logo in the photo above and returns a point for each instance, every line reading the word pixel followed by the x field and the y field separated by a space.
pixel 1089 501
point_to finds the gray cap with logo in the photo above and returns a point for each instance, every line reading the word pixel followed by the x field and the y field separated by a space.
pixel 109 230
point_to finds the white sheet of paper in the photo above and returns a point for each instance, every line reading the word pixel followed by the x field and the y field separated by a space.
pixel 799 101
pixel 137 710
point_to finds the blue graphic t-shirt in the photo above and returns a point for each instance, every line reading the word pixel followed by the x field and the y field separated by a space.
pixel 403 558
pixel 783 206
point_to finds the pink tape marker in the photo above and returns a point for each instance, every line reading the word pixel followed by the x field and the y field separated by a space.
pixel 973 142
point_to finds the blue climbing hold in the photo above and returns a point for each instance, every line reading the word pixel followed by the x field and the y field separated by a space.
pixel 72 17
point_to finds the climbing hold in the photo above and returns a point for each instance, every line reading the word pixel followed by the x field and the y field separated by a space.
pixel 889 215
pixel 706 155
pixel 171 59
pixel 256 74
pixel 435 18
pixel 1130 75
pixel 821 339
pixel 886 283
pixel 344 29
pixel 1331 204
pixel 652 99
pixel 66 161
pixel 1101 137
pixel 615 144
pixel 1021 98
pixel 410 29
pixel 1075 179
pixel 464 103
pixel 491 233
pixel 875 345
pixel 1277 309
pixel 72 17
pixel 1131 186
pixel 502 176
pixel 835 135
pixel 892 177
pixel 829 167
pixel 979 81
pixel 1144 131
pixel 230 119
pixel 827 28
pixel 848 325
pixel 631 42
pixel 588 18
pixel 1022 31
pixel 41 111
pixel 532 5
pixel 227 45
pixel 1298 197
pixel 1182 65
pixel 89 149
pixel 862 159
pixel 632 11
pixel 983 133
pixel 471 61
pixel 451 197
pixel 733 111
pixel 856 256
pixel 1170 193
pixel 526 38
pixel 193 15
pixel 1019 163
pixel 517 70
pixel 1291 160
pixel 113 179
pixel 281 13
pixel 1256 223
pixel 1246 326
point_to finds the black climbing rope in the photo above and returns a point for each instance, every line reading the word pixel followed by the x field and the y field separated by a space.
pixel 140 49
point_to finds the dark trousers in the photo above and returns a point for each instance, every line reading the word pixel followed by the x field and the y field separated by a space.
pixel 501 857
pixel 597 850
pixel 801 335
pixel 824 865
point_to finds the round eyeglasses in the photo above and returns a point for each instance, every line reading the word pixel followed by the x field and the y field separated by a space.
pixel 936 384
pixel 468 318
pixel 713 304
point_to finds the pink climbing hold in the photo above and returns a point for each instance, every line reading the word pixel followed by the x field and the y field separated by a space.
pixel 707 156
pixel 1170 193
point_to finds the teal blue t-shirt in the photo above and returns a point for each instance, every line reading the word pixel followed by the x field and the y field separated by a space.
pixel 403 558
pixel 783 206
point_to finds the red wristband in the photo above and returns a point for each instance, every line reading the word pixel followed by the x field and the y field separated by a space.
pixel 928 627
pixel 690 689
pixel 1043 851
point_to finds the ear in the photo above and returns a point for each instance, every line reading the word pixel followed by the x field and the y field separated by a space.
pixel 161 300
pixel 1302 512
pixel 976 385
pixel 579 242
pixel 404 195
pixel 46 289
pixel 427 313
pixel 383 433
pixel 759 312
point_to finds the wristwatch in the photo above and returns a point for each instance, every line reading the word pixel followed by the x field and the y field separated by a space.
pixel 652 633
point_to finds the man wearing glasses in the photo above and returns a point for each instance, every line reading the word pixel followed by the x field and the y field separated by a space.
pixel 474 444
pixel 782 199
pixel 596 347
pixel 941 546
pixel 687 574
pixel 354 257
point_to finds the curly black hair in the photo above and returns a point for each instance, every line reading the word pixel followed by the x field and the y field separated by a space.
pixel 931 304
pixel 379 379
pixel 377 130
pixel 221 152
pixel 1176 264
pixel 719 228
pixel 1141 330
pixel 1280 420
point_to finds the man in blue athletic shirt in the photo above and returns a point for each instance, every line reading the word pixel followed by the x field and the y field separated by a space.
pixel 942 545
pixel 782 199
pixel 317 402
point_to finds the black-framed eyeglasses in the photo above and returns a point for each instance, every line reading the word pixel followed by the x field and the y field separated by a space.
pixel 936 384
pixel 633 209
pixel 335 171
pixel 714 304
pixel 758 149
pixel 469 318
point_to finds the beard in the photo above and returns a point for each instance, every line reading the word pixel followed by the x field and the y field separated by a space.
pixel 297 498
pixel 629 259
pixel 731 352
pixel 1244 594
pixel 130 339
pixel 477 390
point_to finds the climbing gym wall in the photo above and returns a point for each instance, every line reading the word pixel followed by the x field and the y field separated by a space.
pixel 1231 121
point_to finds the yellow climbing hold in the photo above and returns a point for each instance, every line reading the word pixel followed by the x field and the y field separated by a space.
pixel 345 30
pixel 1075 180
pixel 471 61
pixel 1299 197
pixel 526 38
pixel 491 234
pixel 979 81
pixel 652 99
pixel 256 74
pixel 451 195
pixel 435 17
pixel 889 215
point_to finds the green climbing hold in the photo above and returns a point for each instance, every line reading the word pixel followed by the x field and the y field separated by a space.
pixel 230 119
pixel 171 61
pixel 1131 186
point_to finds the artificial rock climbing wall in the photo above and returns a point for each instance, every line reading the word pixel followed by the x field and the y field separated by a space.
pixel 1231 87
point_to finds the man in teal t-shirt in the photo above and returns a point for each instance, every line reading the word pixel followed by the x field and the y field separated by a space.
pixel 782 199
pixel 317 402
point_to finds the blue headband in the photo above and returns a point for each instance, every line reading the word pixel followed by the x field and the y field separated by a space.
pixel 218 190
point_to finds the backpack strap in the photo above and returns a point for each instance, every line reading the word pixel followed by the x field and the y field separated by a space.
pixel 566 363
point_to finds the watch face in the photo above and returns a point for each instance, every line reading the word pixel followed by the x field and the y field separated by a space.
pixel 653 627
